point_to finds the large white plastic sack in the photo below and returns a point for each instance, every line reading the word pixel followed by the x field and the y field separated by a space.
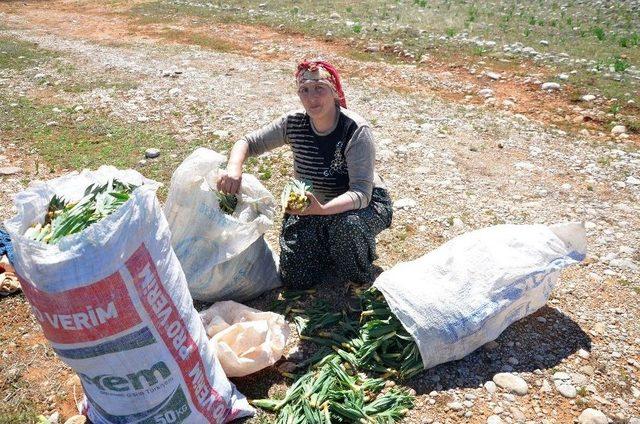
pixel 465 293
pixel 113 302
pixel 224 257
pixel 246 339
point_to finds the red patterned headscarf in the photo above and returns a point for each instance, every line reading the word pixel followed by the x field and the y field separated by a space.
pixel 320 71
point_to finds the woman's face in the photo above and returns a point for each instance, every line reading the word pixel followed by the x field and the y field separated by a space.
pixel 318 99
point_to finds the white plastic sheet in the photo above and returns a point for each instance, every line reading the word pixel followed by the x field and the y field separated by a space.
pixel 246 340
pixel 465 293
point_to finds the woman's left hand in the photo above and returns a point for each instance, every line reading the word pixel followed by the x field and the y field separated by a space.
pixel 314 208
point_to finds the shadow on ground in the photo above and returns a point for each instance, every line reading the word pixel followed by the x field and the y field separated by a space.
pixel 533 344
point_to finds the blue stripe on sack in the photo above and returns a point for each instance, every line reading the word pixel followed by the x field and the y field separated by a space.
pixel 130 341
pixel 577 256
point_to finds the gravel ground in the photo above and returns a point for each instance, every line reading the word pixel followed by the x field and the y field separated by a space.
pixel 451 168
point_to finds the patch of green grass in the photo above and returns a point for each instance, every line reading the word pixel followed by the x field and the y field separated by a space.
pixel 627 283
pixel 19 55
pixel 599 33
pixel 25 414
pixel 620 65
pixel 96 141
pixel 264 171
pixel 86 86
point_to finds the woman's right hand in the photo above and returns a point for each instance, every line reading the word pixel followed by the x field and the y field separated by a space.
pixel 229 181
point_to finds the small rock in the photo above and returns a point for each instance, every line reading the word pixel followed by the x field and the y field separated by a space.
pixel 541 319
pixel 405 203
pixel 486 93
pixel 592 416
pixel 494 419
pixel 143 119
pixel 583 353
pixel 175 92
pixel 588 98
pixel 563 77
pixel 618 129
pixel 511 382
pixel 142 162
pixel 524 165
pixel 334 15
pixel 455 406
pixel 151 153
pixel 10 170
pixel 631 180
pixel 40 76
pixel 544 42
pixel 550 86
pixel 222 134
pixel 493 75
pixel 567 390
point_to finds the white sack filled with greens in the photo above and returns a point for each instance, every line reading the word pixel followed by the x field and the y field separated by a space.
pixel 465 293
pixel 113 302
pixel 220 243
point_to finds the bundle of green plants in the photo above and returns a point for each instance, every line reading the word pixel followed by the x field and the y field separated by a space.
pixel 334 392
pixel 227 202
pixel 337 386
pixel 65 218
pixel 384 344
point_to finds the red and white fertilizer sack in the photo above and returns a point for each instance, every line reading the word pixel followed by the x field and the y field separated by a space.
pixel 113 303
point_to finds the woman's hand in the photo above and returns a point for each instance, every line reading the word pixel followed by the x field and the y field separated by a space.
pixel 314 208
pixel 229 181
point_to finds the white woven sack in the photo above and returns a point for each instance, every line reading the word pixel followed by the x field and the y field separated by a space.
pixel 113 302
pixel 465 293
pixel 224 257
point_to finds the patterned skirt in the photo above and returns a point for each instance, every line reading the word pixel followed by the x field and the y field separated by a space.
pixel 333 248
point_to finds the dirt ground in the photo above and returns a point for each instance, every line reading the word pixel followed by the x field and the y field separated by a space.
pixel 522 156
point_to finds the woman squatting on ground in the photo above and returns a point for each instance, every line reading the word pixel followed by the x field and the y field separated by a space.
pixel 333 239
